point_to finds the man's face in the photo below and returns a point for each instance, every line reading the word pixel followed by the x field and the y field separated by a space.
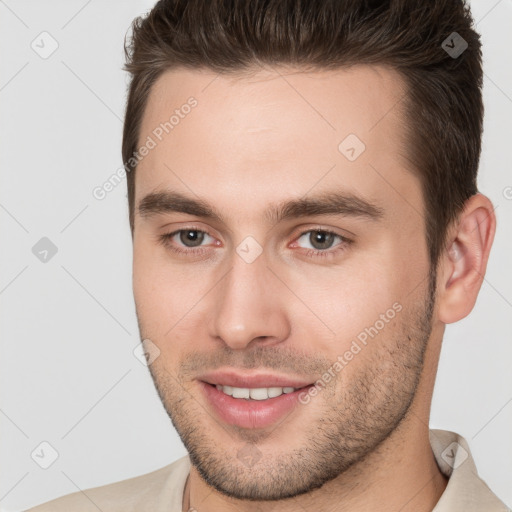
pixel 337 296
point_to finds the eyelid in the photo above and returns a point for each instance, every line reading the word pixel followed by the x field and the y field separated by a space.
pixel 306 228
pixel 308 231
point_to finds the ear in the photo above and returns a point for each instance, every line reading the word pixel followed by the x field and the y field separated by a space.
pixel 463 262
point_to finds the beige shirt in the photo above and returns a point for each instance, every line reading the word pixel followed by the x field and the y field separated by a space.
pixel 162 490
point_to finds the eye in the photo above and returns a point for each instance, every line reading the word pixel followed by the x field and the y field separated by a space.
pixel 186 240
pixel 193 241
pixel 321 243
pixel 319 240
pixel 191 237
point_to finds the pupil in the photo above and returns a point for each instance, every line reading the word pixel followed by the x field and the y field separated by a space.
pixel 191 238
pixel 321 239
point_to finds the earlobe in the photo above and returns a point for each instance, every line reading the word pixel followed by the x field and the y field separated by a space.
pixel 464 260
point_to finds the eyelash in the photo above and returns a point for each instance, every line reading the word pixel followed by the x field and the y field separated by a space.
pixel 166 239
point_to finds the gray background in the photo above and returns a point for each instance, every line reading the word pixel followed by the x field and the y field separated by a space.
pixel 68 373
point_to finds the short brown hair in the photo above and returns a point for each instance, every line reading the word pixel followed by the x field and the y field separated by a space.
pixel 443 110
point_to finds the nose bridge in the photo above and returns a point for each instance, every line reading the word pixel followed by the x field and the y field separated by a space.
pixel 247 305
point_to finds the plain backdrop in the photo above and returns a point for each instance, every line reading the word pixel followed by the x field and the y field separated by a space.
pixel 69 376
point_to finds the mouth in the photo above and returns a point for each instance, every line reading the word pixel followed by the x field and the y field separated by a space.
pixel 256 393
pixel 230 378
pixel 246 402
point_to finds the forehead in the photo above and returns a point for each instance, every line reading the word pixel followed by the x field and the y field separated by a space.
pixel 273 131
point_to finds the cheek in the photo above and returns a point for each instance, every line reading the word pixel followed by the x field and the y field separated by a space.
pixel 144 279
pixel 343 302
pixel 153 287
pixel 167 297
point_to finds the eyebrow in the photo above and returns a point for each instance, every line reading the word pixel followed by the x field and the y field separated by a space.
pixel 329 203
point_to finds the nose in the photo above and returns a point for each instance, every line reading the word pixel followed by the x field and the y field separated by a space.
pixel 249 308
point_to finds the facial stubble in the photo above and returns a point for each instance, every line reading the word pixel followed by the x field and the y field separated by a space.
pixel 352 417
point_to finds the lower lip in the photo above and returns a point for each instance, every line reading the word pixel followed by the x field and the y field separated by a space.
pixel 250 413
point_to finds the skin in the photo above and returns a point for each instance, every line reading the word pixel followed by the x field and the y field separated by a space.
pixel 257 140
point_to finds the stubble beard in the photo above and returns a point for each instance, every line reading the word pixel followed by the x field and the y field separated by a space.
pixel 351 419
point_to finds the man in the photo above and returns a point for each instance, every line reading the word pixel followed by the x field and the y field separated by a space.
pixel 305 221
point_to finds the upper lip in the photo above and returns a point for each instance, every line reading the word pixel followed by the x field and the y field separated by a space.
pixel 252 380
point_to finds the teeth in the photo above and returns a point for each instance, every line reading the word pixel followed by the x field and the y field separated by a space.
pixel 273 392
pixel 240 392
pixel 259 393
pixel 254 393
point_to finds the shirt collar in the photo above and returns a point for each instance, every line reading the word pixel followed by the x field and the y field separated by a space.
pixel 465 491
